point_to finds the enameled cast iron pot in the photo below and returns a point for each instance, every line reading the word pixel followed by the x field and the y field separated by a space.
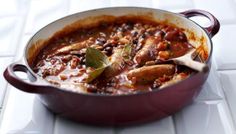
pixel 116 109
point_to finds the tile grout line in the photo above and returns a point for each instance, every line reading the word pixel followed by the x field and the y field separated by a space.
pixel 4 92
pixel 23 18
pixel 218 71
pixel 174 124
pixel 227 104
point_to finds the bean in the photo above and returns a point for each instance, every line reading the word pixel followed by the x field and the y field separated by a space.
pixel 97 47
pixel 63 77
pixel 92 89
pixel 164 55
pixel 45 72
pixel 135 41
pixel 83 61
pixel 109 50
pixel 134 33
pixel 128 27
pixel 108 44
pixel 151 30
pixel 100 41
pixel 124 41
pixel 66 58
pixel 159 34
pixel 162 46
pixel 74 62
pixel 105 52
pixel 102 34
pixel 120 29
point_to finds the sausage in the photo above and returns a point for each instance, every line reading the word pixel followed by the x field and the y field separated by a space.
pixel 148 52
pixel 67 49
pixel 148 74
pixel 177 78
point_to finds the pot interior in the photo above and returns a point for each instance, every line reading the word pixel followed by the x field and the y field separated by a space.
pixel 195 34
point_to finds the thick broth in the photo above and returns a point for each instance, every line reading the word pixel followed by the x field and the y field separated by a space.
pixel 136 53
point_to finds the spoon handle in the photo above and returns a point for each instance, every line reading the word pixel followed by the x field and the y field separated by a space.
pixel 198 66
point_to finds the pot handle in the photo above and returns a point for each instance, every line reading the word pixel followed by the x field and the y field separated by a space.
pixel 215 25
pixel 34 86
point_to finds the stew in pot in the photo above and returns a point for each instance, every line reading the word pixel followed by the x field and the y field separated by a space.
pixel 128 55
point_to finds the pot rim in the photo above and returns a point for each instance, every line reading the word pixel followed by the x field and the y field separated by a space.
pixel 117 95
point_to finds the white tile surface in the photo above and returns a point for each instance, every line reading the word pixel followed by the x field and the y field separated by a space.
pixel 225 10
pixel 10 30
pixel 138 3
pixel 211 89
pixel 209 117
pixel 170 4
pixel 13 7
pixel 24 114
pixel 164 126
pixel 224 48
pixel 229 86
pixel 210 114
pixel 4 62
pixel 78 6
pixel 23 42
pixel 63 126
pixel 42 12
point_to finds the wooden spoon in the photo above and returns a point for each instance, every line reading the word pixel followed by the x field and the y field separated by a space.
pixel 188 61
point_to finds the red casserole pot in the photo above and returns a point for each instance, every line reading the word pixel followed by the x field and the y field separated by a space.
pixel 116 109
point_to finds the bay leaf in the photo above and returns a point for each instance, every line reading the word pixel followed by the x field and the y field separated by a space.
pixel 97 60
pixel 95 73
pixel 126 52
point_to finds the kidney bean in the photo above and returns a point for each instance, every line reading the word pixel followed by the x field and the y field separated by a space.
pixel 159 33
pixel 92 89
pixel 108 44
pixel 135 41
pixel 74 62
pixel 100 41
pixel 134 33
pixel 108 50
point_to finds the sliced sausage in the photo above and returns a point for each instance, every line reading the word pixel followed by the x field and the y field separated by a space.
pixel 148 74
pixel 148 52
